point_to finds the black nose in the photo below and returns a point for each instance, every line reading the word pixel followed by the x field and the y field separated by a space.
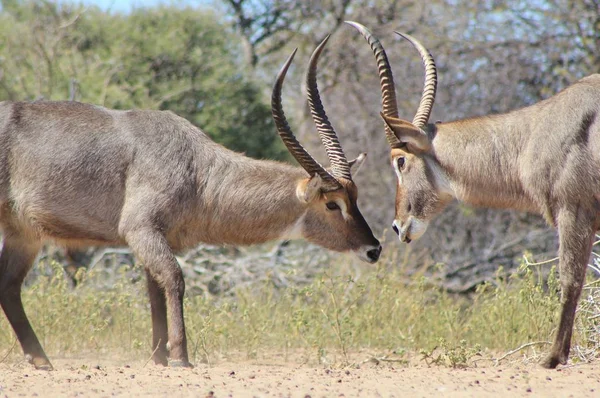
pixel 373 254
pixel 395 228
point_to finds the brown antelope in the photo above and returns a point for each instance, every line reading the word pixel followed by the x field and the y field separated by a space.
pixel 544 158
pixel 81 174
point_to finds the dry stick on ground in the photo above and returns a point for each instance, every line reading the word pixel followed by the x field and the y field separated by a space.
pixel 153 352
pixel 519 349
pixel 584 356
pixel 9 351
pixel 477 360
pixel 384 358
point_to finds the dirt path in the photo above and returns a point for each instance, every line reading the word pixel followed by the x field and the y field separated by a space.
pixel 81 377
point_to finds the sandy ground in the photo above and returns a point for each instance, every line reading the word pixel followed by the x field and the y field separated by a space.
pixel 91 378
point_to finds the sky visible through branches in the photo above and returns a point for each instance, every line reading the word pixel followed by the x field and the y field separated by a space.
pixel 124 6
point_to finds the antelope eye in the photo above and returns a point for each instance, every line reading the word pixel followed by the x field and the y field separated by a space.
pixel 401 161
pixel 332 206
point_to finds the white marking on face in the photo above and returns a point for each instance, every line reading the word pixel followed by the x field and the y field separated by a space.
pixel 294 231
pixel 343 209
pixel 341 204
pixel 417 228
pixel 396 169
pixel 412 229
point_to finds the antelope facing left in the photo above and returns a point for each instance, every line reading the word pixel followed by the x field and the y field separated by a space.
pixel 544 158
pixel 80 174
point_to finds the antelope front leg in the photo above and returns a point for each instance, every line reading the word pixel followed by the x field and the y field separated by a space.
pixel 165 282
pixel 158 307
pixel 576 235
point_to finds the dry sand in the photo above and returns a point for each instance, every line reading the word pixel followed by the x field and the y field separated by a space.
pixel 91 378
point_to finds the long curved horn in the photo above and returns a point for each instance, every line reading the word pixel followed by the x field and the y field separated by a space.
pixel 339 164
pixel 388 91
pixel 285 132
pixel 430 86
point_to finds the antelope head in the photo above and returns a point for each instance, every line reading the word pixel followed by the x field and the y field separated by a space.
pixel 422 191
pixel 332 218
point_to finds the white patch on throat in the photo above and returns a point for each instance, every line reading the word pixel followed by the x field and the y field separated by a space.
pixel 294 231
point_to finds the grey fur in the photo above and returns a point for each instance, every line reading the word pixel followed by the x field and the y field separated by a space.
pixel 79 175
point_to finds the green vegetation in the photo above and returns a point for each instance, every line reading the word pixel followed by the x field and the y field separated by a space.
pixel 183 60
pixel 211 69
pixel 335 320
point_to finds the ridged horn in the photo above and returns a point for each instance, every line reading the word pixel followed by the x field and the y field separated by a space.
pixel 309 164
pixel 339 164
pixel 430 86
pixel 388 90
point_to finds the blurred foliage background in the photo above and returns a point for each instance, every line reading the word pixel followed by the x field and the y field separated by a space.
pixel 181 59
pixel 214 63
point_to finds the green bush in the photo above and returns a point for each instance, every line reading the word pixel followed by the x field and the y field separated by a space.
pixel 181 59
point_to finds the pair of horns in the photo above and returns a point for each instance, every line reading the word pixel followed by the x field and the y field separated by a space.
pixel 388 91
pixel 340 168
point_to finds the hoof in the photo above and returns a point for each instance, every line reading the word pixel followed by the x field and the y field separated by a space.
pixel 160 357
pixel 177 363
pixel 551 362
pixel 40 363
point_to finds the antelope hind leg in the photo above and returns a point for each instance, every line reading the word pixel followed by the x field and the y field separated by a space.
pixel 576 235
pixel 15 262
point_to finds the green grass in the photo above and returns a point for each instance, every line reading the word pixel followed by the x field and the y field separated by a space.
pixel 335 320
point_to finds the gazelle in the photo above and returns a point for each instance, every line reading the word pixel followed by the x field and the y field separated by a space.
pixel 80 174
pixel 544 158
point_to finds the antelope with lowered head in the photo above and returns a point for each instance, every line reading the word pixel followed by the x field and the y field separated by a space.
pixel 80 174
pixel 544 158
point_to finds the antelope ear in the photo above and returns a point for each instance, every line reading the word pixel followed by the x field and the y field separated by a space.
pixel 408 133
pixel 310 189
pixel 357 163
